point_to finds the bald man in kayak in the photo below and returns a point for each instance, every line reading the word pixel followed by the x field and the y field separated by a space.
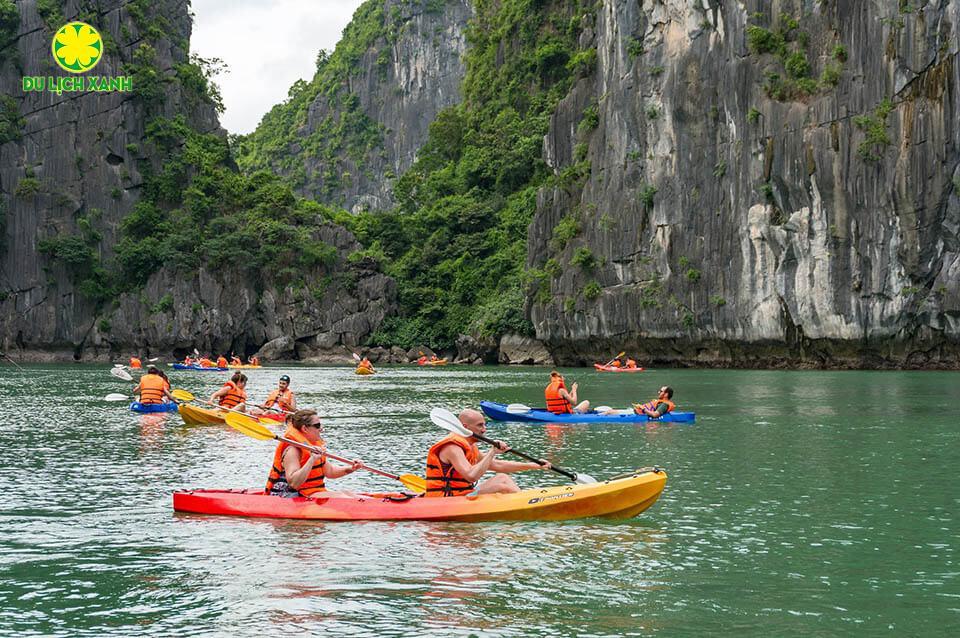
pixel 455 464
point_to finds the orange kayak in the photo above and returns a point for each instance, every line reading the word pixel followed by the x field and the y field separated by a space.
pixel 602 368
pixel 621 497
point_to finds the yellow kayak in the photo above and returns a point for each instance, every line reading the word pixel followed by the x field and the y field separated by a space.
pixel 364 370
pixel 244 366
pixel 194 415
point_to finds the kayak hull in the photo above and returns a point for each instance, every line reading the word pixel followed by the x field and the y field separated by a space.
pixel 183 366
pixel 438 362
pixel 603 368
pixel 498 412
pixel 617 498
pixel 244 366
pixel 151 408
pixel 364 371
pixel 195 415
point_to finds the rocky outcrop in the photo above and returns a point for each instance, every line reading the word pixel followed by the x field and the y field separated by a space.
pixel 73 167
pixel 400 83
pixel 726 210
pixel 517 349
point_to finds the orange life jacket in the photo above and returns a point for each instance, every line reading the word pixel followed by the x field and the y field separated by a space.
pixel 221 362
pixel 206 363
pixel 282 400
pixel 315 479
pixel 151 388
pixel 135 363
pixel 631 363
pixel 652 405
pixel 235 361
pixel 234 397
pixel 556 403
pixel 442 478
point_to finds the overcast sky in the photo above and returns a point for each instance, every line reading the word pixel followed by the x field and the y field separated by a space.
pixel 267 46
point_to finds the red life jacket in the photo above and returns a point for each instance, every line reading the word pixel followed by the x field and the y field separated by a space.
pixel 442 478
pixel 234 397
pixel 315 479
pixel 556 403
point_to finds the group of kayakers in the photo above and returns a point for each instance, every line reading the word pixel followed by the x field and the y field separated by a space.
pixel 563 401
pixel 627 363
pixel 136 362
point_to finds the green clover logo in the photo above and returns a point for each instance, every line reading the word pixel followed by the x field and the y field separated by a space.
pixel 77 47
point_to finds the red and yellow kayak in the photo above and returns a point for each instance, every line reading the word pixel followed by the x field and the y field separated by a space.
pixel 604 368
pixel 438 362
pixel 621 497
pixel 363 370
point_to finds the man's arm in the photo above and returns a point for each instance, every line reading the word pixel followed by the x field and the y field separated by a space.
pixel 516 466
pixel 453 455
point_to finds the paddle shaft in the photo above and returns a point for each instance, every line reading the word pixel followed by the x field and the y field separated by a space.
pixel 312 448
pixel 569 475
pixel 610 363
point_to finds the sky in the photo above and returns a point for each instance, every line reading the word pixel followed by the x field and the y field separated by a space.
pixel 267 46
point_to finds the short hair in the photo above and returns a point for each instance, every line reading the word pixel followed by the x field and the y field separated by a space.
pixel 301 417
pixel 669 391
pixel 554 373
pixel 153 370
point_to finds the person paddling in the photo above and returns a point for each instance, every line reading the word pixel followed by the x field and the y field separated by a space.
pixel 659 406
pixel 233 394
pixel 559 400
pixel 631 364
pixel 454 464
pixel 254 361
pixel 282 397
pixel 135 363
pixel 153 387
pixel 365 363
pixel 299 472
pixel 221 361
pixel 235 360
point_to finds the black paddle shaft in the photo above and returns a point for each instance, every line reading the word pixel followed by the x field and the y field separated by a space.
pixel 570 475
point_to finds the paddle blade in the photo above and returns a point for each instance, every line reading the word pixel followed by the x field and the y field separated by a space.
pixel 120 373
pixel 182 395
pixel 414 483
pixel 518 408
pixel 356 356
pixel 116 397
pixel 249 426
pixel 448 421
pixel 585 479
pixel 602 408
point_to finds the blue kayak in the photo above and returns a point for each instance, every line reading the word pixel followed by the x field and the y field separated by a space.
pixel 148 408
pixel 183 366
pixel 498 412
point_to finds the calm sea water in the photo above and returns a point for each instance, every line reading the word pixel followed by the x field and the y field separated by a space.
pixel 800 503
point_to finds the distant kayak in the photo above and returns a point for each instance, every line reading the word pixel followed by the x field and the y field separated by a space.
pixel 622 497
pixel 438 362
pixel 243 366
pixel 603 368
pixel 149 408
pixel 183 366
pixel 364 371
pixel 498 412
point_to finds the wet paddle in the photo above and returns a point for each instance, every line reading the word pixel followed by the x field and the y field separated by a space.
pixel 519 408
pixel 448 421
pixel 252 428
pixel 610 362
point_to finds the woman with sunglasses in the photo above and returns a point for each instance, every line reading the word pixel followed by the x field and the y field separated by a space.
pixel 300 472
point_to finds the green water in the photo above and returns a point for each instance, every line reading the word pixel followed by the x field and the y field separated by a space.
pixel 800 503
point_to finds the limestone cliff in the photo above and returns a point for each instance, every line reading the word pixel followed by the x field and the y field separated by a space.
pixel 757 183
pixel 345 137
pixel 73 165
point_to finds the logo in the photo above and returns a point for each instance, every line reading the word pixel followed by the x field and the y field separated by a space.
pixel 77 47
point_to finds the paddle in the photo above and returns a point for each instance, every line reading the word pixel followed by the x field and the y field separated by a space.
pixel 120 373
pixel 252 428
pixel 117 397
pixel 610 362
pixel 519 408
pixel 359 360
pixel 448 421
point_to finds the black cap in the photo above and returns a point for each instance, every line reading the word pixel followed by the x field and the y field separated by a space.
pixel 285 378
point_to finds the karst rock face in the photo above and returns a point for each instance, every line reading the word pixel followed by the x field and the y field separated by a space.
pixel 79 156
pixel 734 214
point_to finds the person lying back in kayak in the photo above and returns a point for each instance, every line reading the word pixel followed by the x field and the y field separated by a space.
pixel 454 463
pixel 299 472
pixel 282 397
pixel 659 406
pixel 232 395
pixel 153 387
pixel 559 401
